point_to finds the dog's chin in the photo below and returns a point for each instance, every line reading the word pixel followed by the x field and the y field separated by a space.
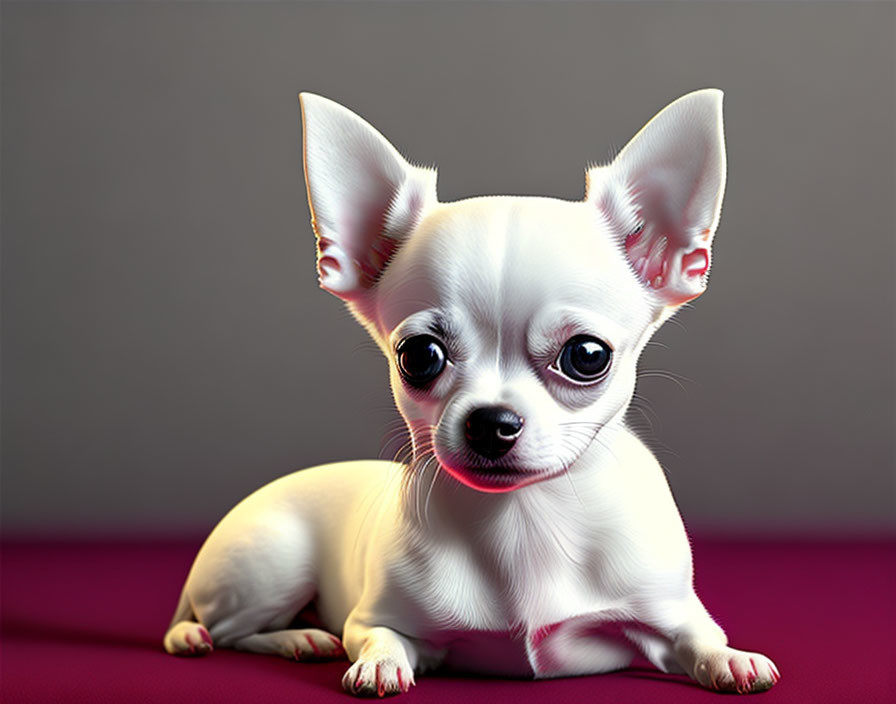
pixel 493 478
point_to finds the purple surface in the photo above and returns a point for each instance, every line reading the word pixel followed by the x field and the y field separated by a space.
pixel 83 621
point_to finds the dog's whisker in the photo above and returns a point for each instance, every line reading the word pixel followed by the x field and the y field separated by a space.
pixel 676 379
pixel 572 484
pixel 665 373
pixel 366 346
pixel 435 476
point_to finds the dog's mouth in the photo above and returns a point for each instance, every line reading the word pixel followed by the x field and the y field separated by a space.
pixel 495 478
pixel 494 482
pixel 506 472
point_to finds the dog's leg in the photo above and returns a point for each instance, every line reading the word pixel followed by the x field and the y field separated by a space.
pixel 383 661
pixel 185 636
pixel 294 644
pixel 701 649
pixel 254 573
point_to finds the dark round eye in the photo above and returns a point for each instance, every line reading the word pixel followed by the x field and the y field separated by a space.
pixel 421 359
pixel 584 358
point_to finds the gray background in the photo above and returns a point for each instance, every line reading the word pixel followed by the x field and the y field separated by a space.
pixel 166 349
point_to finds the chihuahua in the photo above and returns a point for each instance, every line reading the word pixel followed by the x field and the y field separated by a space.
pixel 531 534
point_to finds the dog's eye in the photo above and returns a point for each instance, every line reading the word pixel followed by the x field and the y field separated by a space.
pixel 420 359
pixel 584 358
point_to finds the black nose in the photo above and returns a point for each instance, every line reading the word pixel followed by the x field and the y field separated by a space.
pixel 492 430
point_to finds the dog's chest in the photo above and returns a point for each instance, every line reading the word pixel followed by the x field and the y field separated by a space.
pixel 497 609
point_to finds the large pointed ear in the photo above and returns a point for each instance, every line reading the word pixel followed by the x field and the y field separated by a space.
pixel 365 199
pixel 662 195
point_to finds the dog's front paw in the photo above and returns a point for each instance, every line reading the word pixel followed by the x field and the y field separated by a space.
pixel 378 677
pixel 188 638
pixel 730 670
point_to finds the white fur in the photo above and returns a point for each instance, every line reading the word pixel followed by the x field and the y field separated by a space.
pixel 581 560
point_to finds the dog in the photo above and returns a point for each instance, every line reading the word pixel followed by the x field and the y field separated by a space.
pixel 531 534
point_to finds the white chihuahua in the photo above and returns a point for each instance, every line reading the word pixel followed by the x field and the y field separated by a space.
pixel 531 534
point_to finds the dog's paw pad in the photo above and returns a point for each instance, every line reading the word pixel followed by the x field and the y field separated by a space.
pixel 378 678
pixel 729 670
pixel 188 638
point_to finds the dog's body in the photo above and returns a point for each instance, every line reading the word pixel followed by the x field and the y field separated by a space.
pixel 532 534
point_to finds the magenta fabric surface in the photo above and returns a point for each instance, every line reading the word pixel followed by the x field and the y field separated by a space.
pixel 83 622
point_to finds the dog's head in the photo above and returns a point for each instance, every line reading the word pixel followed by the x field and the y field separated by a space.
pixel 513 325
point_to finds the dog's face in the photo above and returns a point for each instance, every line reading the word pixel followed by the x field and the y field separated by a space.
pixel 513 325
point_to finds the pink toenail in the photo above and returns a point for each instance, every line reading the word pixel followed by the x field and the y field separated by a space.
pixel 312 644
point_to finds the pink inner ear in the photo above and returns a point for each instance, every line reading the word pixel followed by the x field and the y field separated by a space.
pixel 695 263
pixel 328 265
pixel 381 252
pixel 648 256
